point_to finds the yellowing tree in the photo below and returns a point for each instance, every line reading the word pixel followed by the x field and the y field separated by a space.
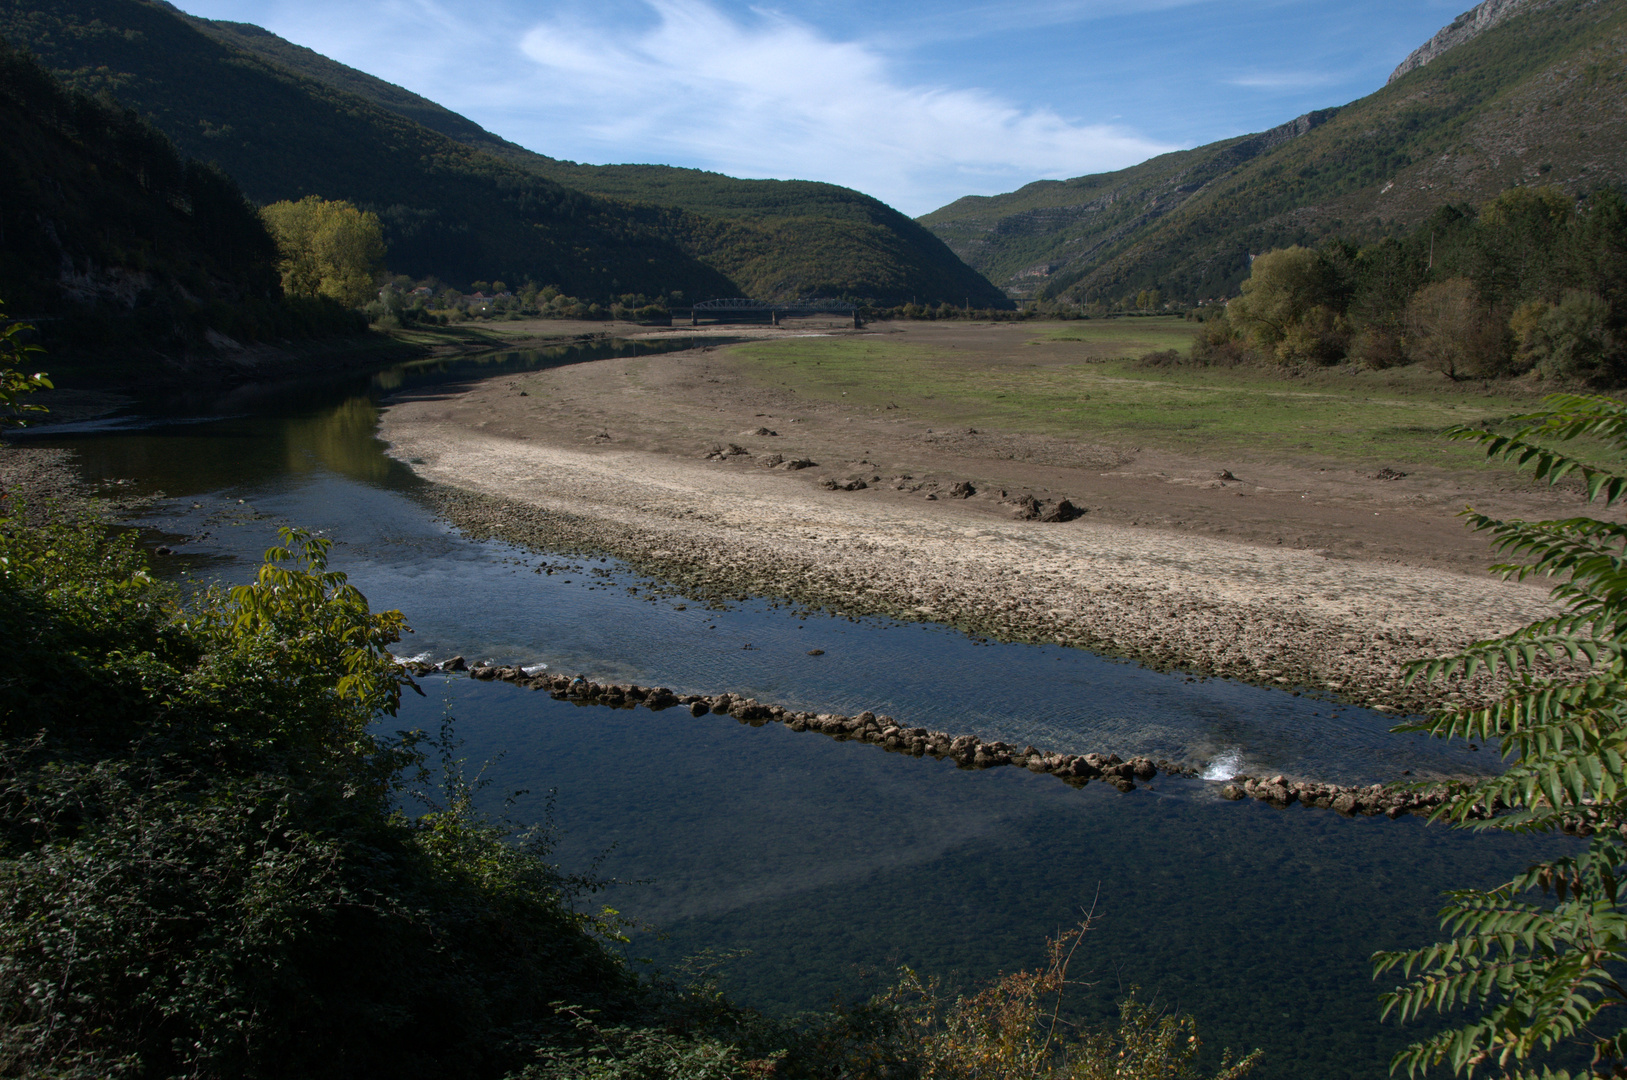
pixel 1287 307
pixel 328 248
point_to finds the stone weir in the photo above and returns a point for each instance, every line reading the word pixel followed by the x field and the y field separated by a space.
pixel 967 751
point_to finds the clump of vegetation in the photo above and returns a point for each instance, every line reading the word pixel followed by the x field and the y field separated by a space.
pixel 326 248
pixel 1530 283
pixel 1546 972
pixel 16 383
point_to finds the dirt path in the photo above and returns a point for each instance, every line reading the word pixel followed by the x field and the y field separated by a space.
pixel 1279 571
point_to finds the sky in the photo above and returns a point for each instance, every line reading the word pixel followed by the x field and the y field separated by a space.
pixel 917 104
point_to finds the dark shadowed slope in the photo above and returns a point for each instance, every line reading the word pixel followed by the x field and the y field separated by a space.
pixel 767 238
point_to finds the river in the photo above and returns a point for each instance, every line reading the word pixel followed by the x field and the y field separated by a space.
pixel 812 868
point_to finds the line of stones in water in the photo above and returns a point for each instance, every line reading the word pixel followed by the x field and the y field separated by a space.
pixel 967 751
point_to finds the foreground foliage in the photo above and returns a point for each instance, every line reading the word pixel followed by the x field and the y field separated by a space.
pixel 17 383
pixel 201 868
pixel 1545 972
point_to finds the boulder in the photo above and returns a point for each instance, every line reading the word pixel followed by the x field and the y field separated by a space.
pixel 1026 508
pixel 457 663
pixel 962 490
pixel 1061 510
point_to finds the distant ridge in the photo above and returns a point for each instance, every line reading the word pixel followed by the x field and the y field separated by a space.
pixel 774 238
pixel 1471 24
pixel 1528 93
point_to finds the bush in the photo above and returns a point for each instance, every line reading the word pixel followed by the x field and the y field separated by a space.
pixel 1219 344
pixel 202 870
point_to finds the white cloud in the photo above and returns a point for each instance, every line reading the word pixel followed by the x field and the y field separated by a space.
pixel 1284 80
pixel 772 97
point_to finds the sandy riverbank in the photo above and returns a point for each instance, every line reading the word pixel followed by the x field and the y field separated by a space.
pixel 612 456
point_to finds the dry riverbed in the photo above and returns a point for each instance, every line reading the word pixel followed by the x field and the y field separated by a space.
pixel 1272 570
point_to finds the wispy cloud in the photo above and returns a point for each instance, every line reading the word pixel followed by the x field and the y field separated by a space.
pixel 1285 80
pixel 765 95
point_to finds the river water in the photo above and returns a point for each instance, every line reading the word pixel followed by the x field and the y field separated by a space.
pixel 812 868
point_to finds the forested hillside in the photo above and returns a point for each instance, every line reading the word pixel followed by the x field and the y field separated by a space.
pixel 448 210
pixel 799 236
pixel 1540 97
pixel 457 202
pixel 111 238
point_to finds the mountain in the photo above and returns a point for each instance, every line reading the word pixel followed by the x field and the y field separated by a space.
pixel 448 210
pixel 117 248
pixel 460 203
pixel 773 237
pixel 1518 93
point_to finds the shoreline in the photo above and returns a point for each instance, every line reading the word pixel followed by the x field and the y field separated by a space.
pixel 1287 618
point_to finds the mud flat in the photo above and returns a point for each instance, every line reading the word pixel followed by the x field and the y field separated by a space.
pixel 1267 615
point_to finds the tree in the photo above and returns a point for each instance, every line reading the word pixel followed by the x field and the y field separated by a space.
pixel 1449 328
pixel 327 248
pixel 1291 305
pixel 1543 973
pixel 1570 339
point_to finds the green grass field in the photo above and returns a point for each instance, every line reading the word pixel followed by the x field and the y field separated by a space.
pixel 1080 380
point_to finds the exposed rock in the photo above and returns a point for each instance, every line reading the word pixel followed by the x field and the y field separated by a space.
pixel 1061 510
pixel 962 490
pixel 1471 24
pixel 1025 508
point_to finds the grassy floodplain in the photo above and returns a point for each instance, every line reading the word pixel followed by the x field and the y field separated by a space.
pixel 1082 380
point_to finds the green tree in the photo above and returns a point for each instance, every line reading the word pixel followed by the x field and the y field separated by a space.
pixel 326 248
pixel 1544 973
pixel 1572 339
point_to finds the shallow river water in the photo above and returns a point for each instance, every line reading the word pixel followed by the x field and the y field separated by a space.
pixel 817 866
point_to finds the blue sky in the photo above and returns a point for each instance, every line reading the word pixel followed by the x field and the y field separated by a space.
pixel 916 104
